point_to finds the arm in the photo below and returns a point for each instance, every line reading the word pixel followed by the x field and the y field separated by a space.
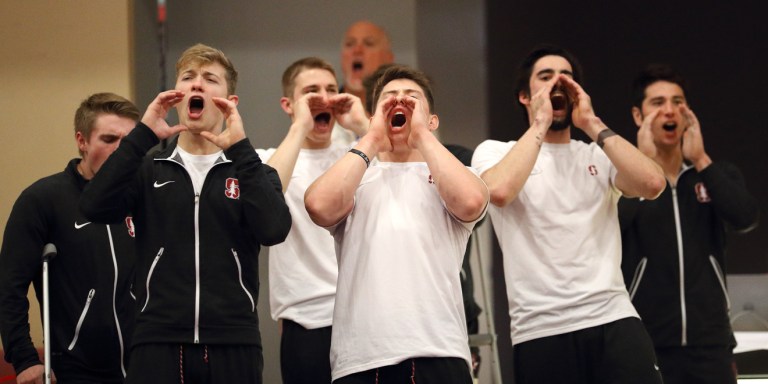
pixel 507 177
pixel 284 158
pixel 263 200
pixel 111 194
pixel 332 196
pixel 20 265
pixel 262 193
pixel 464 194
pixel 637 174
pixel 724 181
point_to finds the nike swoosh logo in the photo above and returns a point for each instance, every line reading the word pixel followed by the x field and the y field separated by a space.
pixel 158 185
pixel 78 226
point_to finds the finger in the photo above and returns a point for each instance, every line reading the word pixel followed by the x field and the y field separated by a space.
pixel 176 129
pixel 385 105
pixel 170 98
pixel 545 90
pixel 573 88
pixel 316 100
pixel 649 118
pixel 690 117
pixel 226 106
pixel 215 139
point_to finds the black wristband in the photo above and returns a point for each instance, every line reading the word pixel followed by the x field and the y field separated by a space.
pixel 361 154
pixel 604 134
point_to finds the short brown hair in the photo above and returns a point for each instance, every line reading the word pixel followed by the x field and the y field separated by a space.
pixel 397 72
pixel 299 66
pixel 201 54
pixel 99 104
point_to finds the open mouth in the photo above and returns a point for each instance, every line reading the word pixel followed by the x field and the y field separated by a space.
pixel 357 66
pixel 669 126
pixel 398 119
pixel 196 104
pixel 323 118
pixel 559 100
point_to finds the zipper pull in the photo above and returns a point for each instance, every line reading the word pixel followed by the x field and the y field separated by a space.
pixel 197 197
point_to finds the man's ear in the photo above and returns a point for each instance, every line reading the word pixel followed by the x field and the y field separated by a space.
pixel 233 98
pixel 637 115
pixel 81 141
pixel 285 104
pixel 523 98
pixel 434 122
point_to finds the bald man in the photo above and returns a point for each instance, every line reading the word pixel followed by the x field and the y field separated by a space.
pixel 364 48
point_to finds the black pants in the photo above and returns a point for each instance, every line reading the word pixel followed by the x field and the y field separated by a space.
pixel 305 354
pixel 620 352
pixel 423 370
pixel 697 365
pixel 195 364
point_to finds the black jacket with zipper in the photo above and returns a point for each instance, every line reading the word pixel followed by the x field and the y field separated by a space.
pixel 91 308
pixel 688 306
pixel 197 276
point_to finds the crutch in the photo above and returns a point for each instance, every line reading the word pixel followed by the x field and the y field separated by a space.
pixel 49 252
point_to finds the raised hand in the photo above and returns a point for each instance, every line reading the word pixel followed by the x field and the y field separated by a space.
pixel 302 110
pixel 234 131
pixel 157 112
pixel 583 115
pixel 379 122
pixel 349 112
pixel 420 121
pixel 541 106
pixel 645 136
pixel 693 142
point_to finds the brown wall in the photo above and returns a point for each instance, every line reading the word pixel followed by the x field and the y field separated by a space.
pixel 54 55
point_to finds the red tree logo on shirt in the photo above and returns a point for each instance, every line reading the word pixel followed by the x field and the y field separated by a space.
pixel 129 224
pixel 233 188
pixel 592 170
pixel 701 193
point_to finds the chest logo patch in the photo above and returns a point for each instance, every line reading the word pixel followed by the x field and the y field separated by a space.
pixel 431 180
pixel 701 193
pixel 129 224
pixel 592 170
pixel 233 188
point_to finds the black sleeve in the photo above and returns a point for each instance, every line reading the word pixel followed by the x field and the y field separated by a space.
pixel 112 192
pixel 20 265
pixel 262 194
pixel 730 197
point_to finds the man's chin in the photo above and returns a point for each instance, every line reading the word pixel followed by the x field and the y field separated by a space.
pixel 560 125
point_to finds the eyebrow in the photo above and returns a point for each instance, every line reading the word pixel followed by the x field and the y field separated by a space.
pixel 550 71
pixel 407 90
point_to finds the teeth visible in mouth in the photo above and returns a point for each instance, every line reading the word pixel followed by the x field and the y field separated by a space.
pixel 669 126
pixel 398 119
pixel 324 117
pixel 196 104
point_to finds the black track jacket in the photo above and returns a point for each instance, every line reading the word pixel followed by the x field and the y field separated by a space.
pixel 197 277
pixel 90 303
pixel 687 306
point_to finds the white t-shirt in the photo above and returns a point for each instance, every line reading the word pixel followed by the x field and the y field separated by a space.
pixel 561 241
pixel 399 291
pixel 198 166
pixel 303 269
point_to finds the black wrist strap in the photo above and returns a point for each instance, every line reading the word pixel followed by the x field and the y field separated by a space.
pixel 604 134
pixel 361 154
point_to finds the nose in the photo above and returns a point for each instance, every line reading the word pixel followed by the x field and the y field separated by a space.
pixel 197 83
pixel 667 108
pixel 357 48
